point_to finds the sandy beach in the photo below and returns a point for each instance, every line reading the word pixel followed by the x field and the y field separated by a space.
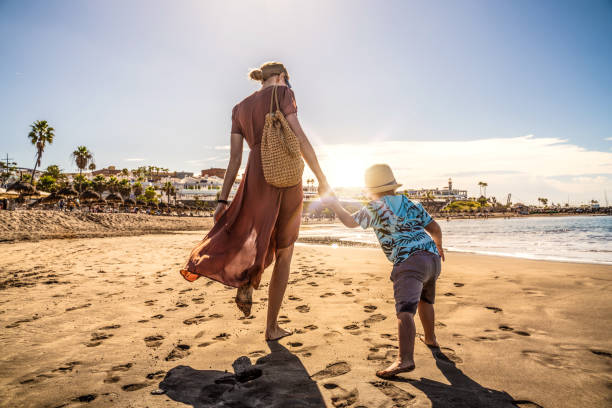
pixel 106 321
pixel 33 225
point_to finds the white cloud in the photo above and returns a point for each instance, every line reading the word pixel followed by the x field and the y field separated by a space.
pixel 608 139
pixel 134 160
pixel 525 166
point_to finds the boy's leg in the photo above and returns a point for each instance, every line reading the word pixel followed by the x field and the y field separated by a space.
pixel 427 315
pixel 405 360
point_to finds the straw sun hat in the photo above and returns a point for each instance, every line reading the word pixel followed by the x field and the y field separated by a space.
pixel 379 178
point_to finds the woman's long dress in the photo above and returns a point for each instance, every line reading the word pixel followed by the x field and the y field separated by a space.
pixel 260 219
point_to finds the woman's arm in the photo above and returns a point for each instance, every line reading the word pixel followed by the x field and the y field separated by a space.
pixel 231 172
pixel 308 152
pixel 433 228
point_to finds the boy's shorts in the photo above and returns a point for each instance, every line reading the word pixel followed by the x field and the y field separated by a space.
pixel 414 280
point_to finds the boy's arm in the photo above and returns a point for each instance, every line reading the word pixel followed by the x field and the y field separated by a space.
pixel 436 234
pixel 345 216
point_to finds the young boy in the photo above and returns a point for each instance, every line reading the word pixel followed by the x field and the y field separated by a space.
pixel 400 226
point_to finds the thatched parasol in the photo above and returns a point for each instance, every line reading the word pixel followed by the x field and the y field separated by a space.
pixel 129 202
pixel 141 202
pixel 21 187
pixel 67 192
pixel 114 198
pixel 51 199
pixel 89 195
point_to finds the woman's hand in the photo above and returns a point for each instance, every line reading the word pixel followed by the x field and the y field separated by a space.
pixel 324 188
pixel 221 208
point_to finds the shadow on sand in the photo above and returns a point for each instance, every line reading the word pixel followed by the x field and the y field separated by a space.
pixel 276 380
pixel 462 391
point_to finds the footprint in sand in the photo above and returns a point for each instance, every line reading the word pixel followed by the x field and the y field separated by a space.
pixel 332 370
pixel 201 318
pixel 303 308
pixel 295 344
pixel 198 300
pixel 157 316
pixel 348 293
pixel 291 297
pixel 311 327
pixel 449 294
pixel 134 387
pixel 373 319
pixel 391 337
pixel 313 283
pixel 283 319
pixel 505 328
pixel 97 337
pixel 369 308
pixel 18 322
pixel 328 294
pixel 222 336
pixel 521 333
pixel 85 398
pixel 122 367
pixel 156 375
pixel 547 359
pixel 351 327
pixel 447 355
pixel 181 304
pixel 178 352
pixel 345 398
pixel 111 327
pixel 494 309
pixel 154 341
pixel 78 307
pixel 458 284
pixel 601 353
pixel 150 302
pixel 399 397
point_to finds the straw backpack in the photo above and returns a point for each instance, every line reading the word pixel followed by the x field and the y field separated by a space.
pixel 281 157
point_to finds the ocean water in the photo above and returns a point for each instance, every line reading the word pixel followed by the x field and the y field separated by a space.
pixel 571 239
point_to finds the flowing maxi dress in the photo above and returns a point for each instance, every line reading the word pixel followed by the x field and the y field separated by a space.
pixel 261 219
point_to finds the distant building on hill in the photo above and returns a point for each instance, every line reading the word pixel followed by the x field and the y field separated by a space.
pixel 183 174
pixel 213 172
pixel 445 193
pixel 109 171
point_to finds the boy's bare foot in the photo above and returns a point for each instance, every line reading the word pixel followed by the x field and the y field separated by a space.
pixel 395 368
pixel 429 343
pixel 276 333
pixel 244 299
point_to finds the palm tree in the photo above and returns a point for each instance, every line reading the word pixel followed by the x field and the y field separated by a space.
pixel 544 201
pixel 99 183
pixel 82 157
pixel 92 166
pixel 482 186
pixel 168 188
pixel 137 188
pixel 125 189
pixel 125 172
pixel 40 135
pixel 112 184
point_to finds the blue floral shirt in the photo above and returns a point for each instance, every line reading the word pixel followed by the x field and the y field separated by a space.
pixel 399 225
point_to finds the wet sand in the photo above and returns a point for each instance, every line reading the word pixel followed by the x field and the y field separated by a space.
pixel 107 321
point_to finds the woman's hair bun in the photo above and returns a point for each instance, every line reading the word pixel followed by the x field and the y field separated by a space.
pixel 256 74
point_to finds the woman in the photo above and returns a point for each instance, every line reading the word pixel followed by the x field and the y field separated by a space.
pixel 262 223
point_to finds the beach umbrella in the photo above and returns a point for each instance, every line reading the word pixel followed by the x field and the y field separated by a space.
pixel 67 192
pixel 114 198
pixel 130 202
pixel 89 195
pixel 21 187
pixel 51 199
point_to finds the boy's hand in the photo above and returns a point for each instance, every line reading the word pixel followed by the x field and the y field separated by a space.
pixel 441 252
pixel 329 200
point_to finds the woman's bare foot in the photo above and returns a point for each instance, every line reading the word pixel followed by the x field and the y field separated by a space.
pixel 429 342
pixel 276 333
pixel 244 299
pixel 396 368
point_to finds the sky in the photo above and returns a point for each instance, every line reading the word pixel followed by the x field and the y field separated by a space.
pixel 514 93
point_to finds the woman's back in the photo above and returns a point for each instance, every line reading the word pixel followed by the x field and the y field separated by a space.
pixel 248 117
